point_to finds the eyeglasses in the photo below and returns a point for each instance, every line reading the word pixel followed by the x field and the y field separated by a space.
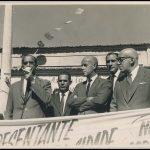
pixel 62 80
pixel 84 65
pixel 121 59
pixel 30 62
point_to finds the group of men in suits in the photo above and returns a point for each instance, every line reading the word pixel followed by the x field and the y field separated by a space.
pixel 127 87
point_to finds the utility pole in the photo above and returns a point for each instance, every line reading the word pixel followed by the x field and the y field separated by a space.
pixel 6 57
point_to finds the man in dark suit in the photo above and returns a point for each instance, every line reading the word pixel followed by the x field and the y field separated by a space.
pixel 91 96
pixel 132 90
pixel 28 98
pixel 61 96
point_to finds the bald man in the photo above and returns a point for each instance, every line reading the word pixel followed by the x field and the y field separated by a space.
pixel 132 90
pixel 92 95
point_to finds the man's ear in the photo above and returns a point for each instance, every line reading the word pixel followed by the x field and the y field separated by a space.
pixel 132 61
pixel 94 66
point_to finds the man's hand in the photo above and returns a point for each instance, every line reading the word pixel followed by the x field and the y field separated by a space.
pixel 7 81
pixel 28 71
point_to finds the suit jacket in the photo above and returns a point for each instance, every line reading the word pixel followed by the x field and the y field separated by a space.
pixel 55 105
pixel 113 84
pixel 34 106
pixel 139 96
pixel 100 90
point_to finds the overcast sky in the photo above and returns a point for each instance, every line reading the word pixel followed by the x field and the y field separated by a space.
pixel 74 25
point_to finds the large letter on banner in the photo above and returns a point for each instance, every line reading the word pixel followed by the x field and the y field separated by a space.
pixel 124 129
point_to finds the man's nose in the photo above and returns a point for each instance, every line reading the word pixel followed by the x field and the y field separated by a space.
pixel 110 63
pixel 62 82
pixel 28 64
pixel 83 67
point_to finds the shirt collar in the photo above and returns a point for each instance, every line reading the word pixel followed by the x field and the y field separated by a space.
pixel 66 93
pixel 34 77
pixel 134 72
pixel 94 77
pixel 117 73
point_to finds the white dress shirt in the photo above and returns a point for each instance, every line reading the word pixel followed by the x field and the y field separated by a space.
pixel 115 78
pixel 65 98
pixel 134 72
pixel 24 85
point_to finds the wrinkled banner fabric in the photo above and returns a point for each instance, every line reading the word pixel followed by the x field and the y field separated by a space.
pixel 124 129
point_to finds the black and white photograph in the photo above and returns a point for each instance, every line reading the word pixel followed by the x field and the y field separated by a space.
pixel 74 74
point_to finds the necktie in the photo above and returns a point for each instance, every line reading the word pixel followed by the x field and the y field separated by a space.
pixel 128 84
pixel 112 77
pixel 62 103
pixel 27 88
pixel 88 86
pixel 129 79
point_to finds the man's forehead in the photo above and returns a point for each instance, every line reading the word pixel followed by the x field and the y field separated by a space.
pixel 29 58
pixel 86 61
pixel 111 57
pixel 121 54
pixel 63 76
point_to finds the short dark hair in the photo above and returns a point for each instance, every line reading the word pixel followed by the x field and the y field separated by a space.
pixel 112 53
pixel 35 59
pixel 65 73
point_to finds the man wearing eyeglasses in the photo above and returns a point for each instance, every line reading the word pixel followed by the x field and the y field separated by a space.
pixel 91 96
pixel 28 98
pixel 132 90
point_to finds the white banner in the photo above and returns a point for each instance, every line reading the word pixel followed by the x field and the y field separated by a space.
pixel 124 129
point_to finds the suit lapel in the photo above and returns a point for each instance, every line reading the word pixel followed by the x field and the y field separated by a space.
pixel 136 82
pixel 21 87
pixel 29 94
pixel 94 84
pixel 84 87
pixel 57 102
pixel 123 88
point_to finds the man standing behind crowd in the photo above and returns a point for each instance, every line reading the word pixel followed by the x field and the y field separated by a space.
pixel 28 98
pixel 113 67
pixel 91 96
pixel 60 97
pixel 132 90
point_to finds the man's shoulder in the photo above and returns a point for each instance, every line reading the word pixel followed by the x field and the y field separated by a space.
pixel 81 83
pixel 145 70
pixel 102 79
pixel 16 83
